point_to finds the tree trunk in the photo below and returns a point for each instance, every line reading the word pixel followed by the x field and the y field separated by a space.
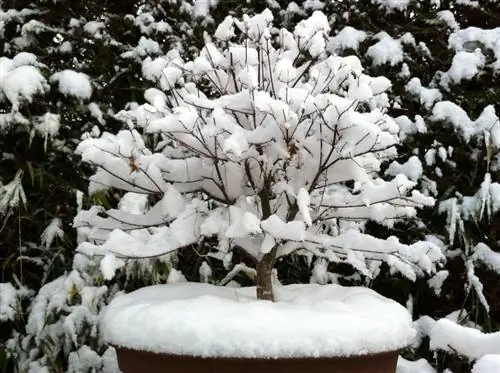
pixel 265 277
pixel 266 264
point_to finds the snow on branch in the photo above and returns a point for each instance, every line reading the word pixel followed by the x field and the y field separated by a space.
pixel 470 342
pixel 263 141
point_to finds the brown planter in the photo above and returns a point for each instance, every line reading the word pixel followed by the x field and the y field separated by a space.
pixel 132 361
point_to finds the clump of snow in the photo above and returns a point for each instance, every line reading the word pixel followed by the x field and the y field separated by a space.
pixel 412 168
pixel 427 96
pixel 449 18
pixel 347 38
pixel 8 301
pixel 66 47
pixel 109 265
pixel 391 5
pixel 418 366
pixel 12 194
pixel 48 126
pixel 487 122
pixel 483 254
pixel 386 50
pixel 21 79
pixel 201 8
pixel 53 230
pixel 484 203
pixel 313 4
pixel 73 83
pixel 144 48
pixel 469 342
pixel 95 111
pixel 487 364
pixel 63 321
pixel 407 127
pixel 206 320
pixel 474 37
pixel 94 28
pixel 436 281
pixel 464 66
pixel 471 3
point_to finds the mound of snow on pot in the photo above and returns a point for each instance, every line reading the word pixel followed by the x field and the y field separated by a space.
pixel 213 321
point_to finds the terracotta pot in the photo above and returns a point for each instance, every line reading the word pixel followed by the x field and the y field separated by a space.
pixel 132 361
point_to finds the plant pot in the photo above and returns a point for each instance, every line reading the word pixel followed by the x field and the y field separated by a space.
pixel 132 361
pixel 190 327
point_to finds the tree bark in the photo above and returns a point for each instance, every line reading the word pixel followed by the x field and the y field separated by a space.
pixel 266 264
pixel 264 277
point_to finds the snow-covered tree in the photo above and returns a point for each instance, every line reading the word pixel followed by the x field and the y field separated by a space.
pixel 265 142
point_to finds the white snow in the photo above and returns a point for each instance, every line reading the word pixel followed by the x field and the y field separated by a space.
pixel 282 134
pixel 449 18
pixel 407 127
pixel 436 281
pixel 12 194
pixel 8 302
pixel 313 4
pixel 448 336
pixel 487 364
pixel 277 228
pixel 347 38
pixel 201 8
pixel 486 122
pixel 47 126
pixel 462 40
pixel 206 320
pixel 109 265
pixel 391 5
pixel 73 83
pixel 53 230
pixel 471 3
pixel 20 79
pixel 145 46
pixel 464 66
pixel 412 168
pixel 386 50
pixel 426 96
pixel 94 28
pixel 225 30
pixel 95 111
pixel 418 366
pixel 483 254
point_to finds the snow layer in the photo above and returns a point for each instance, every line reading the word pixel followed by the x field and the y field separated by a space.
pixel 487 364
pixel 418 366
pixel 306 321
pixel 72 83
pixel 347 38
pixel 386 50
pixel 392 5
pixel 477 37
pixel 20 79
pixel 448 336
pixel 465 66
pixel 8 301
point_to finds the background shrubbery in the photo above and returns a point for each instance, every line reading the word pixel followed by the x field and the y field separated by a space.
pixel 49 325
